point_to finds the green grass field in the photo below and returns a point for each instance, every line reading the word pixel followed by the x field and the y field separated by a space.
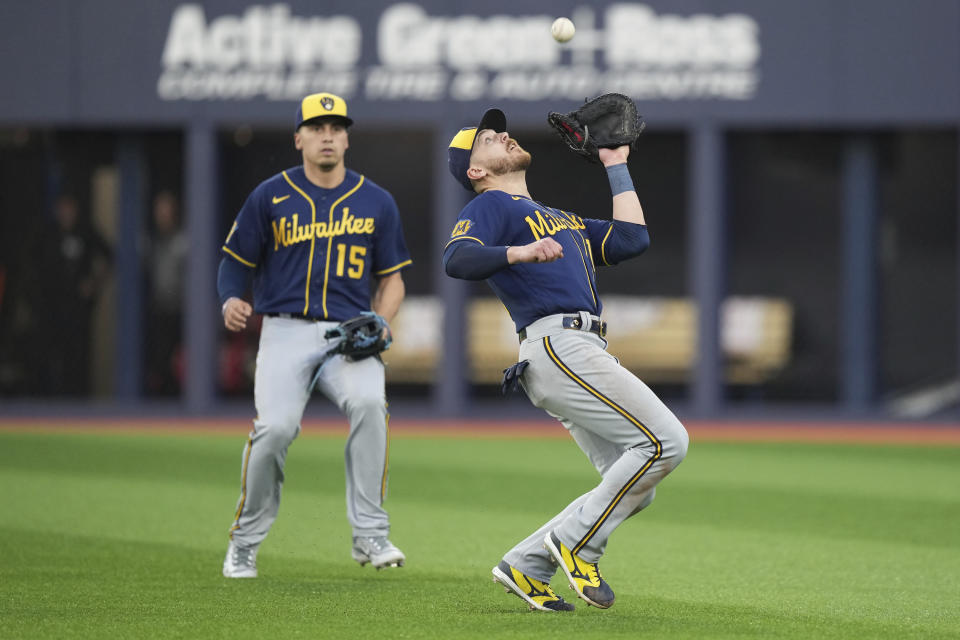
pixel 121 535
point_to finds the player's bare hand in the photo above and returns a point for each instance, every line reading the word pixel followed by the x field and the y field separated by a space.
pixel 235 314
pixel 543 250
pixel 610 157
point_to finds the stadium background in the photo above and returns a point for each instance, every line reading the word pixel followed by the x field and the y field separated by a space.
pixel 798 308
pixel 803 154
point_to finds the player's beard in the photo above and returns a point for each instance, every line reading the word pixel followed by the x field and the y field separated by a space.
pixel 328 163
pixel 512 162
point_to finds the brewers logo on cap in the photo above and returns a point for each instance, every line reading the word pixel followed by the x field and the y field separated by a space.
pixel 322 105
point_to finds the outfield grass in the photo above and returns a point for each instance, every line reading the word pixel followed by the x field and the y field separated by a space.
pixel 121 535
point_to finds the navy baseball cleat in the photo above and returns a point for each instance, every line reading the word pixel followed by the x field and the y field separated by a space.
pixel 584 577
pixel 241 562
pixel 537 594
pixel 378 551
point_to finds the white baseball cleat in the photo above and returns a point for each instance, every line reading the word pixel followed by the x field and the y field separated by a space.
pixel 378 551
pixel 241 562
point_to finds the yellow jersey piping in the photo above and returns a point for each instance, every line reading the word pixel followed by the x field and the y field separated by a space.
pixel 313 221
pixel 392 269
pixel 463 238
pixel 556 218
pixel 603 245
pixel 326 273
pixel 241 260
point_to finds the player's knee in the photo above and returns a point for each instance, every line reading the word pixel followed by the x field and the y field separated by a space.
pixel 277 430
pixel 362 405
pixel 674 441
pixel 681 442
pixel 647 499
pixel 670 445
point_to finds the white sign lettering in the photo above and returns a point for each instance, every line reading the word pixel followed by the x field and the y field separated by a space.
pixel 265 51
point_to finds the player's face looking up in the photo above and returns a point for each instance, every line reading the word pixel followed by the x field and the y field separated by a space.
pixel 498 153
pixel 323 143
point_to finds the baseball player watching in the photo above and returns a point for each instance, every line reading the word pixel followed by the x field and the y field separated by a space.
pixel 540 261
pixel 314 239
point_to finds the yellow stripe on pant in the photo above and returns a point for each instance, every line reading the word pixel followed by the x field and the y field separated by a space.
pixel 386 460
pixel 623 412
pixel 243 487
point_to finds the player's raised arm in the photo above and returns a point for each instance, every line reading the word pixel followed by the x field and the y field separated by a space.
pixel 603 130
pixel 626 235
pixel 626 202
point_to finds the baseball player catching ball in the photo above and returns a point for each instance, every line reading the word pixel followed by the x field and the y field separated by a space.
pixel 313 238
pixel 540 261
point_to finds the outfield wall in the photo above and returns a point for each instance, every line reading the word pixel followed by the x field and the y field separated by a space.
pixel 800 152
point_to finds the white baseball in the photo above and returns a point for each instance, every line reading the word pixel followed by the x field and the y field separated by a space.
pixel 562 29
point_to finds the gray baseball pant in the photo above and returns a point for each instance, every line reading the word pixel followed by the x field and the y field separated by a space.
pixel 628 434
pixel 290 351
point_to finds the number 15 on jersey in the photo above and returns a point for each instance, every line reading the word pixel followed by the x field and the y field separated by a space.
pixel 355 255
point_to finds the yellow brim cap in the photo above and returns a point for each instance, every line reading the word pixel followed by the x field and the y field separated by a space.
pixel 458 153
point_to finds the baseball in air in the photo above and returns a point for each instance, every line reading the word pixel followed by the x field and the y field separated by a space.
pixel 562 29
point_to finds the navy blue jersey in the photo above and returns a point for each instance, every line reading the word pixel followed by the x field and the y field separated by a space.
pixel 531 291
pixel 314 249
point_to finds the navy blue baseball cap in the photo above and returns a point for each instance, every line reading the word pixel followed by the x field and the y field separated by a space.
pixel 322 105
pixel 458 154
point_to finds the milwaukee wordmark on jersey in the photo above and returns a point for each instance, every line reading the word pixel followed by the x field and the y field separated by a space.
pixel 533 290
pixel 301 238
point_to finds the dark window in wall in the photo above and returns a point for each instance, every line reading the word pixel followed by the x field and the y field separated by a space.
pixel 560 178
pixel 918 256
pixel 164 249
pixel 23 203
pixel 248 156
pixel 58 231
pixel 784 234
pixel 57 310
pixel 56 261
pixel 402 163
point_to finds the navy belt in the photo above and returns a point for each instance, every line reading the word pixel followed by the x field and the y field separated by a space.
pixel 293 316
pixel 598 327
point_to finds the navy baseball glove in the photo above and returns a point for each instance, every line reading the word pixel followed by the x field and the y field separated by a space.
pixel 362 336
pixel 610 121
